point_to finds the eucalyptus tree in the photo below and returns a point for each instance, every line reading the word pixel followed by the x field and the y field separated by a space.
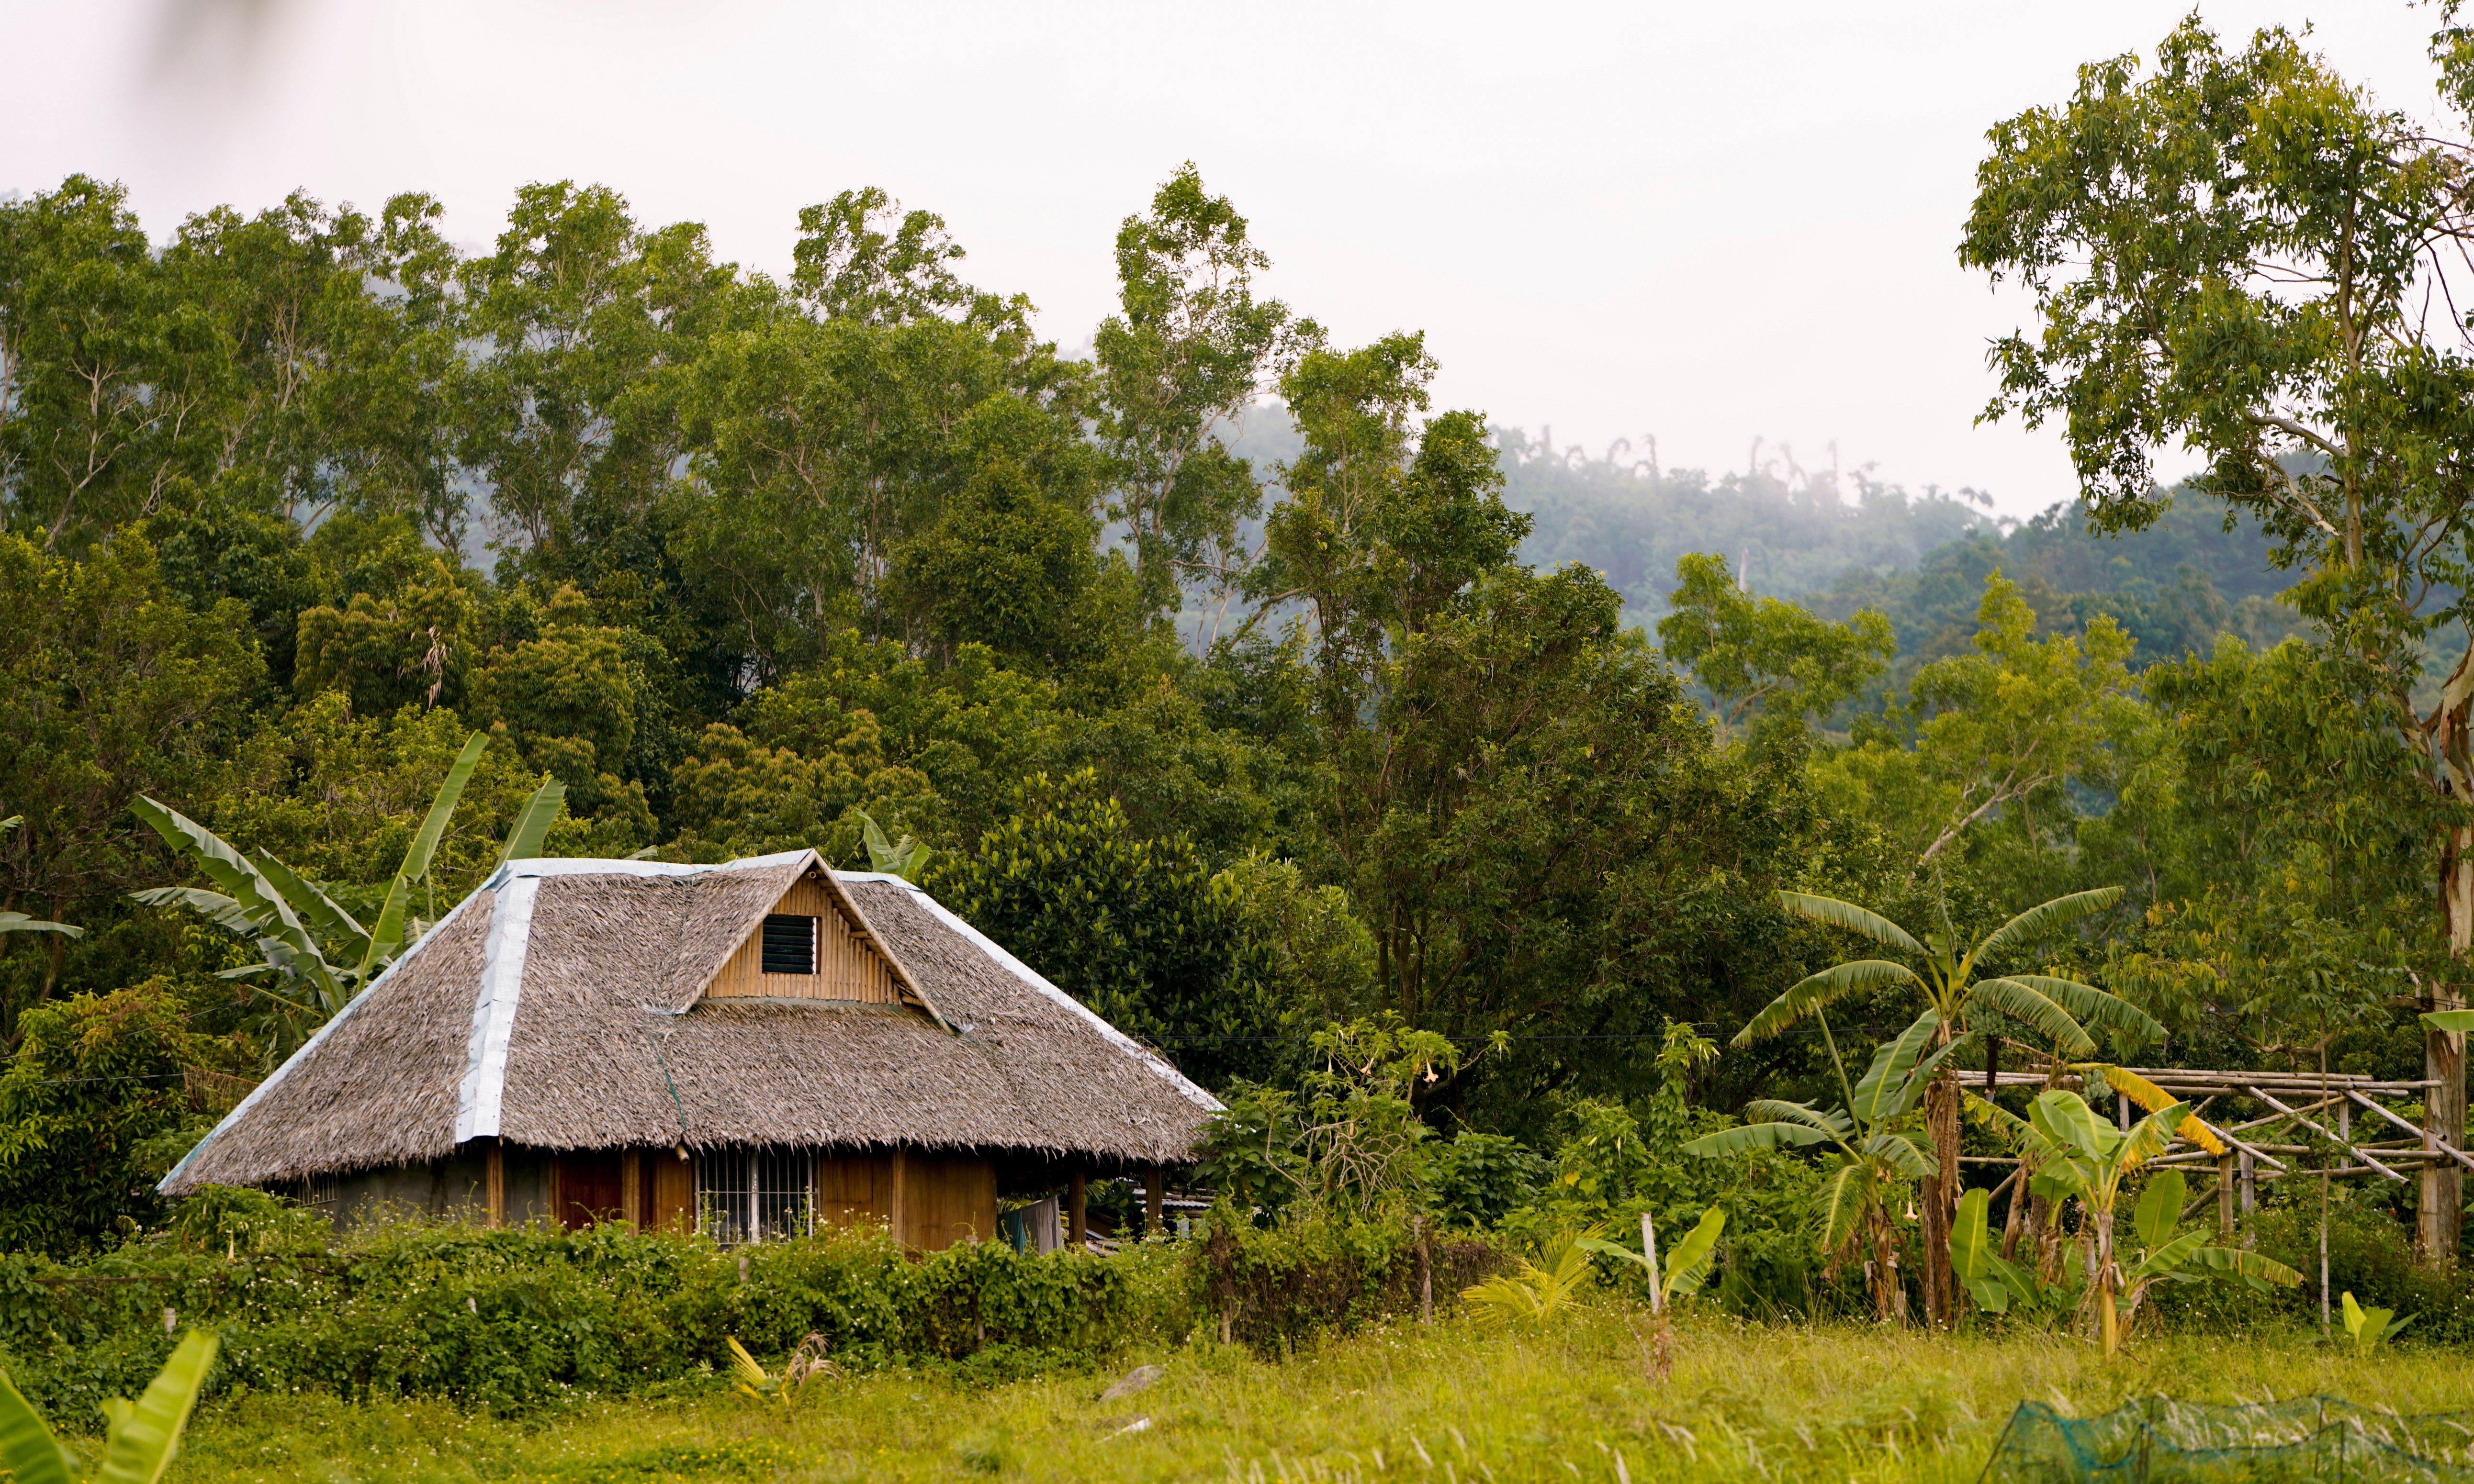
pixel 583 321
pixel 1957 998
pixel 1183 358
pixel 2241 252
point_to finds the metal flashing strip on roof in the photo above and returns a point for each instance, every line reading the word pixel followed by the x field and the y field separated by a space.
pixel 586 867
pixel 1039 982
pixel 480 1097
pixel 310 1047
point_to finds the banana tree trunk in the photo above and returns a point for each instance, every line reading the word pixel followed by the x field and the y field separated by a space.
pixel 1940 1198
pixel 2108 1281
pixel 1889 1294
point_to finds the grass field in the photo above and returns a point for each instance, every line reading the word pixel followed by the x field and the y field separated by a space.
pixel 1408 1402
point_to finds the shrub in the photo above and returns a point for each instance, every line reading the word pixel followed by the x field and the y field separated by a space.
pixel 1277 1288
pixel 513 1320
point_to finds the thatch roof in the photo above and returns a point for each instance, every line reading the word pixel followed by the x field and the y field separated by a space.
pixel 559 1006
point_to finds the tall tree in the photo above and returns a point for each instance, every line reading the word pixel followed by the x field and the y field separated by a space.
pixel 108 686
pixel 1179 361
pixel 2240 252
pixel 1759 656
pixel 586 318
pixel 1533 826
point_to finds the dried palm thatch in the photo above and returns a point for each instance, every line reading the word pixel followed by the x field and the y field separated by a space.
pixel 561 1007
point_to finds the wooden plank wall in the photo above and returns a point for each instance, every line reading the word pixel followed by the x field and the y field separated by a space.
pixel 949 1199
pixel 846 968
pixel 929 1201
pixel 673 1207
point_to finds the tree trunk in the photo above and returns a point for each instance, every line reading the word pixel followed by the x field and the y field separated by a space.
pixel 1940 1200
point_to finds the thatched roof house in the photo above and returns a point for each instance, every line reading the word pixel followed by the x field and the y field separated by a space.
pixel 745 1047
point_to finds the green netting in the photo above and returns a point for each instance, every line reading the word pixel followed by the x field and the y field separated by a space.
pixel 2157 1440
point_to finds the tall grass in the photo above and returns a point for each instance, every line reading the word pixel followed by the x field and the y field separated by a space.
pixel 1403 1401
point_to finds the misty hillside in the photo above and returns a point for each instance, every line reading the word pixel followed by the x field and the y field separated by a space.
pixel 1839 541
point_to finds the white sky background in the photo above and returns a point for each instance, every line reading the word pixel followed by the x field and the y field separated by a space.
pixel 1705 223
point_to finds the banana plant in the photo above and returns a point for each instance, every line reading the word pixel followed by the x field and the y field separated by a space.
pixel 1943 969
pixel 1686 1269
pixel 2371 1328
pixel 906 859
pixel 2078 1154
pixel 1994 1282
pixel 1870 1160
pixel 20 922
pixel 140 1437
pixel 311 943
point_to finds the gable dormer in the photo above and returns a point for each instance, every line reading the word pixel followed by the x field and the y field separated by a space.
pixel 814 942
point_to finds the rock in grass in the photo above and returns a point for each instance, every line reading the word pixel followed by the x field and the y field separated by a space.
pixel 1130 1382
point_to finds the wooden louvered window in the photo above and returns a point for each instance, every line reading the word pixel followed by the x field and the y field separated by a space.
pixel 789 944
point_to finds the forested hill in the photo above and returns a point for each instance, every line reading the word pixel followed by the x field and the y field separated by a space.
pixel 1838 542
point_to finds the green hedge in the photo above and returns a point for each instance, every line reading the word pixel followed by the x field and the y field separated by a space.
pixel 515 1319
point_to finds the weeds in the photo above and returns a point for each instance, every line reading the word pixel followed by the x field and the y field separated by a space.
pixel 1397 1402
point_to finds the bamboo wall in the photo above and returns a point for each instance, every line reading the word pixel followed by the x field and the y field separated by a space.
pixel 846 968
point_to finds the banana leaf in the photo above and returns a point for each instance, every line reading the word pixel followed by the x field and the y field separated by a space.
pixel 2037 921
pixel 1831 911
pixel 27 1448
pixel 533 822
pixel 144 1435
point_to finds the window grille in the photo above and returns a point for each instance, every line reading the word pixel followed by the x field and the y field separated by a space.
pixel 789 944
pixel 323 1194
pixel 753 1196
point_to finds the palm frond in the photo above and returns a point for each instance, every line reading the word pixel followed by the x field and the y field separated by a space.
pixel 2150 1136
pixel 343 935
pixel 1831 911
pixel 1772 1110
pixel 2245 1264
pixel 2066 1120
pixel 1903 1152
pixel 1727 1142
pixel 1840 1203
pixel 20 922
pixel 1882 1093
pixel 2160 1210
pixel 533 821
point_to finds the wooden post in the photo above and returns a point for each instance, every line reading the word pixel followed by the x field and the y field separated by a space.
pixel 1649 1249
pixel 898 1210
pixel 1155 1202
pixel 2225 1196
pixel 2249 1194
pixel 1425 1273
pixel 631 1194
pixel 494 1185
pixel 1074 1193
pixel 2443 1116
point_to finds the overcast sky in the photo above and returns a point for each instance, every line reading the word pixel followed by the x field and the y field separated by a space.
pixel 1702 223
